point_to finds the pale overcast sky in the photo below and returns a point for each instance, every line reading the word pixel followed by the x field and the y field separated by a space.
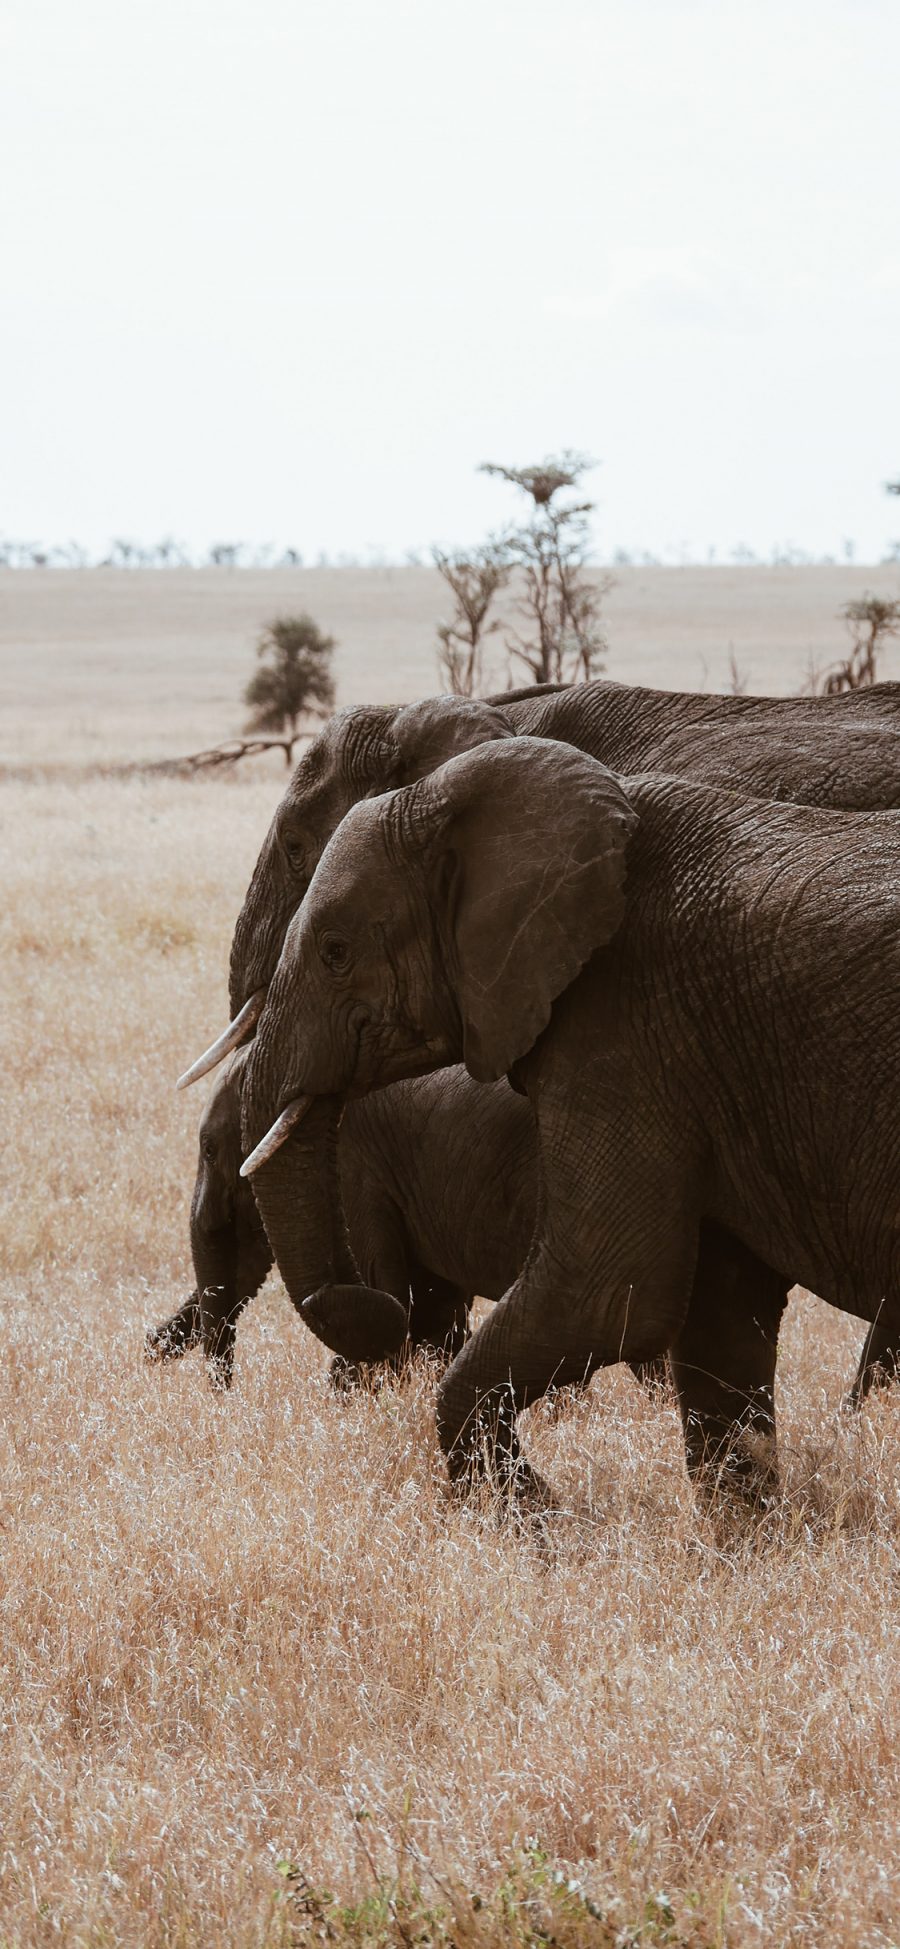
pixel 289 269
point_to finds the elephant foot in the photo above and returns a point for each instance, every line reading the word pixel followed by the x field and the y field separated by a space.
pixel 175 1336
pixel 370 1375
pixel 219 1373
pixel 486 1455
pixel 362 1376
pixel 741 1475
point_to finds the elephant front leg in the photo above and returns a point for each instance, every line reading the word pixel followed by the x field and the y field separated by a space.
pixel 723 1365
pixel 536 1339
pixel 176 1335
pixel 219 1314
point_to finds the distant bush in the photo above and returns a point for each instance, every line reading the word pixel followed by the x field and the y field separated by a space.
pixel 294 679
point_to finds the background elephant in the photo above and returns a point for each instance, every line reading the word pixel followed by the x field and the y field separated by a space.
pixel 840 751
pixel 718 1042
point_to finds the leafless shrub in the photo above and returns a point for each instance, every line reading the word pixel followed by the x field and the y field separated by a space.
pixel 738 679
pixel 871 620
pixel 474 579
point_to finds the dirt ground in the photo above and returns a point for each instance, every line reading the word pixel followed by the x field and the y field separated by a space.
pixel 261 1682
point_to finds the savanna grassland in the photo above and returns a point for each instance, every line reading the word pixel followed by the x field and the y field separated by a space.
pixel 260 1681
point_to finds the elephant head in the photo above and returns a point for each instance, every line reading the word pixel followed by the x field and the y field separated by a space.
pixel 361 752
pixel 441 924
pixel 232 1255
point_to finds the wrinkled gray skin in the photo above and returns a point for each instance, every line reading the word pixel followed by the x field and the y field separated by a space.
pixel 843 751
pixel 439 1184
pixel 715 1041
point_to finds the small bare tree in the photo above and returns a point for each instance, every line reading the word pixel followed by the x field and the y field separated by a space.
pixel 474 579
pixel 871 621
pixel 294 679
pixel 564 640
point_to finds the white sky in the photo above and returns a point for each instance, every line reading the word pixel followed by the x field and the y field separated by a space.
pixel 289 269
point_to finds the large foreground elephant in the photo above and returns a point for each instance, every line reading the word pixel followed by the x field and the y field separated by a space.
pixel 836 751
pixel 714 1038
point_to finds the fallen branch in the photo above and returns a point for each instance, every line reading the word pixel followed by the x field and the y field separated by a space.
pixel 220 755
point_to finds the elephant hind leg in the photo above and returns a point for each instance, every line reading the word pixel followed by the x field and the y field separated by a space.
pixel 723 1365
pixel 439 1314
pixel 879 1362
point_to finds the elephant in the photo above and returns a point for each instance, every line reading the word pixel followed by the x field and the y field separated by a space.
pixel 438 1179
pixel 838 750
pixel 713 1037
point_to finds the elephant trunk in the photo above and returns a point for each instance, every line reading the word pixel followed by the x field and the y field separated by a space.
pixel 298 1195
pixel 260 928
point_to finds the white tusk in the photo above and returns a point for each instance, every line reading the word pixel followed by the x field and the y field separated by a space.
pixel 236 1032
pixel 274 1138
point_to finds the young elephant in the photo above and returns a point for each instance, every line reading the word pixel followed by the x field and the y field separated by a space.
pixel 715 1041
pixel 841 751
pixel 439 1184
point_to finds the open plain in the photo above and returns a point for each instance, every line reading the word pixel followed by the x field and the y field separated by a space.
pixel 261 1682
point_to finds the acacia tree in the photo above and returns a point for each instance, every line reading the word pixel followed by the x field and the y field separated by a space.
pixel 563 640
pixel 294 679
pixel 474 579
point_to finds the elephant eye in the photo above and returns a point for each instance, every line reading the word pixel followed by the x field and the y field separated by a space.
pixel 295 849
pixel 335 953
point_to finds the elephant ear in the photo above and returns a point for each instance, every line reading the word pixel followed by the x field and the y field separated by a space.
pixel 528 873
pixel 426 735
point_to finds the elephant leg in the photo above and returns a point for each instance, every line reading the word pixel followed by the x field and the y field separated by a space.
pixel 879 1362
pixel 176 1335
pixel 723 1366
pixel 439 1314
pixel 219 1314
pixel 546 1333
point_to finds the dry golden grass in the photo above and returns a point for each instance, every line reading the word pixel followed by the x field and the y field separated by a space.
pixel 250 1655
